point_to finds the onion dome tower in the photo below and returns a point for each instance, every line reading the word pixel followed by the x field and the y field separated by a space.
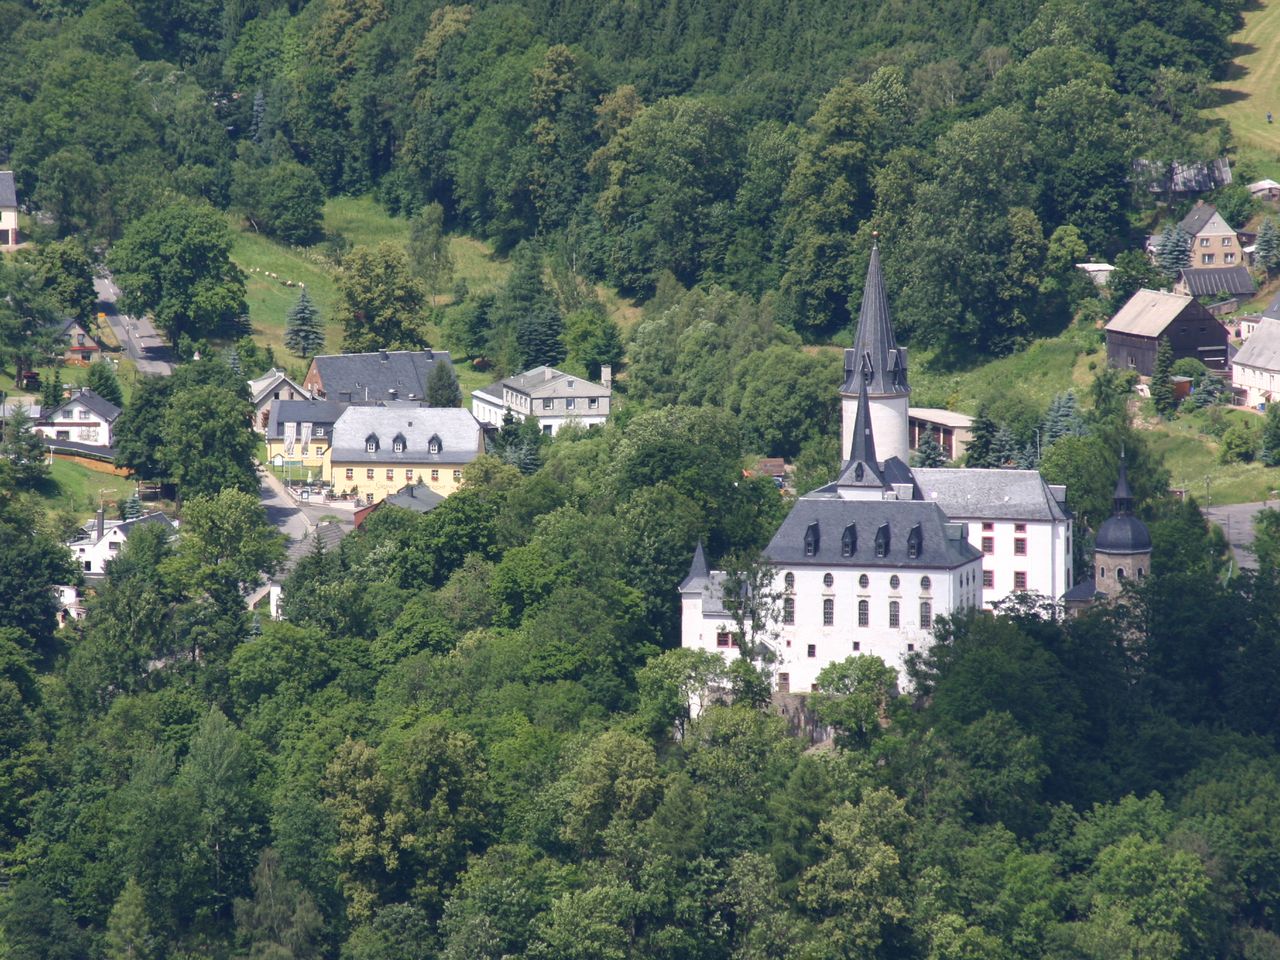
pixel 1122 548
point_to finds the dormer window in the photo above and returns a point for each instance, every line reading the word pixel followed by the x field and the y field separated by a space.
pixel 849 541
pixel 434 445
pixel 914 540
pixel 398 443
pixel 371 443
pixel 882 540
pixel 811 540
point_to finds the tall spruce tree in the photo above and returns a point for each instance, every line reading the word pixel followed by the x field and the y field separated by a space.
pixel 102 381
pixel 929 453
pixel 442 386
pixel 1268 248
pixel 981 440
pixel 23 448
pixel 1062 419
pixel 1271 436
pixel 304 334
pixel 1005 451
pixel 1173 252
pixel 1162 380
pixel 527 307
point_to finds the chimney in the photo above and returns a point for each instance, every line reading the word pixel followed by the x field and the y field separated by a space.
pixel 850 362
pixel 101 525
pixel 430 356
pixel 382 355
pixel 546 374
pixel 606 375
pixel 392 393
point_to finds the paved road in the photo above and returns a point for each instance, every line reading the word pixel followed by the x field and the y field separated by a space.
pixel 295 521
pixel 1236 522
pixel 137 336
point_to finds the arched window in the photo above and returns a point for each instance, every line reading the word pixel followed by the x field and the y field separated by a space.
pixel 894 582
pixel 1119 573
pixel 828 580
pixel 926 615
pixel 894 617
pixel 789 582
pixel 1140 573
pixel 788 610
pixel 925 583
pixel 864 581
pixel 828 612
pixel 864 613
pixel 1102 573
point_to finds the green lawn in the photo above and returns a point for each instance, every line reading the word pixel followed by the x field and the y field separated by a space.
pixel 78 490
pixel 1191 455
pixel 1253 84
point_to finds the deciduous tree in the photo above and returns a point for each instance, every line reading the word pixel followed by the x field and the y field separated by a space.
pixel 380 302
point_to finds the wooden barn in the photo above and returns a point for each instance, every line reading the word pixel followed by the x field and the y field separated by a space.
pixel 1150 316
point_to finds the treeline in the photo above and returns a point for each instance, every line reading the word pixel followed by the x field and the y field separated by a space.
pixel 752 145
pixel 467 741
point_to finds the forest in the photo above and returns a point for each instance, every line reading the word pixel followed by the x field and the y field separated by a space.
pixel 474 735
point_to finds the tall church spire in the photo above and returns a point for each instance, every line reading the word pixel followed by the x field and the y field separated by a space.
pixel 874 344
pixel 864 441
pixel 1122 501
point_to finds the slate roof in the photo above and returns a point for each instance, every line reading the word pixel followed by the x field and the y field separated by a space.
pixel 324 412
pixel 459 433
pixel 1180 177
pixel 941 544
pixel 1148 312
pixel 874 343
pixel 698 572
pixel 972 493
pixel 547 382
pixel 89 530
pixel 8 189
pixel 1262 349
pixel 417 497
pixel 372 376
pixel 1218 281
pixel 1195 221
pixel 107 410
pixel 1083 592
pixel 259 387
pixel 329 534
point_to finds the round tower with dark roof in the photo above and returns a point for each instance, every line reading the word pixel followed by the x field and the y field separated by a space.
pixel 1122 548
pixel 877 363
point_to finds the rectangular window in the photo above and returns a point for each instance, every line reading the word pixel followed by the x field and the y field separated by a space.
pixel 926 615
pixel 546 404
pixel 351 474
pixel 828 612
pixel 593 403
pixel 1226 241
pixel 813 650
pixel 1204 241
pixel 568 403
pixel 864 613
pixel 1020 547
pixel 1019 581
pixel 788 610
pixel 368 498
pixel 435 475
pixel 408 475
pixel 988 578
pixel 1206 258
pixel 391 474
pixel 368 474
pixel 987 526
pixel 988 544
pixel 457 475
pixel 723 639
pixel 894 615
pixel 911 648
pixel 1019 528
pixel 784 683
pixel 1228 258
pixel 857 645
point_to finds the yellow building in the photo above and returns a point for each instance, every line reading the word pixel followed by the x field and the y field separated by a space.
pixel 377 450
pixel 299 432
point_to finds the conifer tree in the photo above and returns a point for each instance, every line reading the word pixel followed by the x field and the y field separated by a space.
pixel 51 391
pixel 232 357
pixel 23 448
pixel 1268 248
pixel 1271 436
pixel 102 381
pixel 1005 451
pixel 1062 419
pixel 527 306
pixel 442 386
pixel 1162 380
pixel 304 334
pixel 981 440
pixel 129 934
pixel 929 453
pixel 1173 252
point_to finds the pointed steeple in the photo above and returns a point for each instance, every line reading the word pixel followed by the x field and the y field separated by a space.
pixel 1122 501
pixel 874 345
pixel 698 570
pixel 862 468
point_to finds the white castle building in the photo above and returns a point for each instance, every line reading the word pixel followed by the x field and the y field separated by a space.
pixel 865 564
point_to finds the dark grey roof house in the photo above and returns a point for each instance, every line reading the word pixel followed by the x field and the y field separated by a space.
pixel 1221 283
pixel 371 377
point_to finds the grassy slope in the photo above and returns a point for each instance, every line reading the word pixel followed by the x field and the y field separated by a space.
pixel 1253 86
pixel 78 490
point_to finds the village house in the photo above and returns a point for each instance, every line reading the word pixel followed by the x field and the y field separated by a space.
pixel 416 497
pixel 371 377
pixel 1184 178
pixel 84 419
pixel 952 430
pixel 1255 369
pixel 1225 286
pixel 1265 190
pixel 272 386
pixel 101 540
pixel 79 348
pixel 9 238
pixel 1134 333
pixel 555 398
pixel 299 432
pixel 377 450
pixel 1214 242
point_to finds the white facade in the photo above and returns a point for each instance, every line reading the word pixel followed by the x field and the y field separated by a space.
pixel 890 421
pixel 1255 369
pixel 555 398
pixel 102 540
pixel 79 422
